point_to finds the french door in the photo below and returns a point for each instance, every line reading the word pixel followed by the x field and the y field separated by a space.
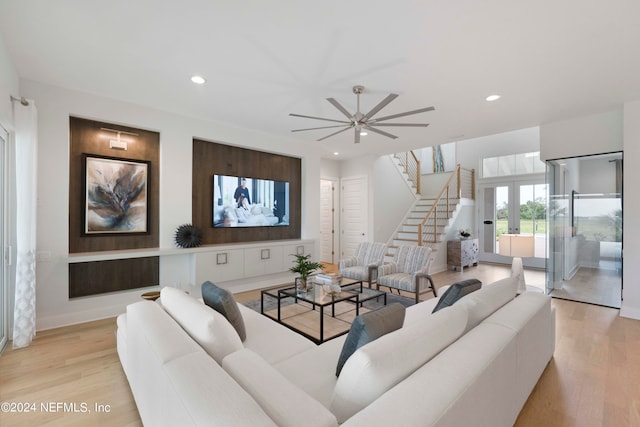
pixel 513 207
pixel 4 307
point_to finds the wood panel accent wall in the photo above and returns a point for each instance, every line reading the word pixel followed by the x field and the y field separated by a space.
pixel 91 278
pixel 87 136
pixel 98 277
pixel 211 158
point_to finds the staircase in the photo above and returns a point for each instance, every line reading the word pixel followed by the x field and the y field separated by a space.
pixel 408 232
pixel 428 220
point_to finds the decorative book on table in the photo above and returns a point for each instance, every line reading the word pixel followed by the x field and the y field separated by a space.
pixel 328 278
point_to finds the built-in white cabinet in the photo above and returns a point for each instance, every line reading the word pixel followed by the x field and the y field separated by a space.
pixel 219 266
pixel 263 260
pixel 220 263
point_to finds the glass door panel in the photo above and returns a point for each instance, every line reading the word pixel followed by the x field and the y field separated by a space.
pixel 532 219
pixel 513 208
pixel 585 229
pixel 3 283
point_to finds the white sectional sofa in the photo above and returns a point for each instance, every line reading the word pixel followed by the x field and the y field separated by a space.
pixel 474 363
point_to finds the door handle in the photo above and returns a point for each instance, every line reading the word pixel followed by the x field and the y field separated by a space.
pixel 488 222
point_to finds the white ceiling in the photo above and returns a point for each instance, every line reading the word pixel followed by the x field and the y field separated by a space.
pixel 549 59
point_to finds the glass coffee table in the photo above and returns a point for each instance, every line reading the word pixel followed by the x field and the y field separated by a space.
pixel 351 292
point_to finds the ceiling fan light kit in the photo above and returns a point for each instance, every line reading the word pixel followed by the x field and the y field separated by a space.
pixel 359 122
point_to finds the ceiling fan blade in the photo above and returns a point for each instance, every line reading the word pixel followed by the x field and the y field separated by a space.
pixel 340 107
pixel 319 118
pixel 424 125
pixel 322 127
pixel 408 113
pixel 388 135
pixel 356 135
pixel 335 133
pixel 380 106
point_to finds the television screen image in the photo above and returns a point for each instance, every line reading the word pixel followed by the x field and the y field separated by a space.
pixel 249 202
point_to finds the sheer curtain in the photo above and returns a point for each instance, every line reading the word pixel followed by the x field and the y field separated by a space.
pixel 26 140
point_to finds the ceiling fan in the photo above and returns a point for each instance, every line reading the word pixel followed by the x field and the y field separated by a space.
pixel 359 121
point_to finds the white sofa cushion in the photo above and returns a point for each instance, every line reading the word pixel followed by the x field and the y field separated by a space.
pixel 470 383
pixel 530 315
pixel 153 339
pixel 121 340
pixel 271 340
pixel 206 326
pixel 203 394
pixel 283 401
pixel 486 300
pixel 417 312
pixel 368 327
pixel 314 370
pixel 378 366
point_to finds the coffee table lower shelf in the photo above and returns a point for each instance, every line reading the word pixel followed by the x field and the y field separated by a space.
pixel 352 293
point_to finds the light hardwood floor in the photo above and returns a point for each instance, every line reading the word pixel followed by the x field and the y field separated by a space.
pixel 592 380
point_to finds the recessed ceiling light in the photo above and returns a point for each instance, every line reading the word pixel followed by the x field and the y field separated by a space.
pixel 198 80
pixel 335 153
pixel 363 133
pixel 492 97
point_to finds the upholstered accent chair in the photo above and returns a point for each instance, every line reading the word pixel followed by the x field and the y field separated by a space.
pixel 362 265
pixel 408 271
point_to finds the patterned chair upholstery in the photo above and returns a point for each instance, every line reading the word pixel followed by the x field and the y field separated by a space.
pixel 362 265
pixel 409 271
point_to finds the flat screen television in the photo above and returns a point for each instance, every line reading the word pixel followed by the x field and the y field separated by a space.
pixel 249 202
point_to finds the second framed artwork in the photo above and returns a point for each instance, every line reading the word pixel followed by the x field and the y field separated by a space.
pixel 116 196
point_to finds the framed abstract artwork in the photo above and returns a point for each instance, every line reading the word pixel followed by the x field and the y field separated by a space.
pixel 116 195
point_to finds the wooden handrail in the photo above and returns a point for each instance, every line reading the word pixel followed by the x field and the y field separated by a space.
pixel 411 164
pixel 445 195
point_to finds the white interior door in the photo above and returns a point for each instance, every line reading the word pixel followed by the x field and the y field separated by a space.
pixel 328 220
pixel 354 199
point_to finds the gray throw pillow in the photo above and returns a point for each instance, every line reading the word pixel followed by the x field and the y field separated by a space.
pixel 222 301
pixel 369 326
pixel 457 291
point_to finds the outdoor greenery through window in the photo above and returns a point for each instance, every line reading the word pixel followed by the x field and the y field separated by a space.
pixel 532 209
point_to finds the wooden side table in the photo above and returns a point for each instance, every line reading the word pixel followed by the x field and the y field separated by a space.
pixel 462 253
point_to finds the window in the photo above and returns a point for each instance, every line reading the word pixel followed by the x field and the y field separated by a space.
pixel 512 164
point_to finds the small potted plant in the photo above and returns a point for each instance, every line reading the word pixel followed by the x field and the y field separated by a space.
pixel 464 234
pixel 304 267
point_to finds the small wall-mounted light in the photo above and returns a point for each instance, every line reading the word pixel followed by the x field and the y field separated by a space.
pixel 118 144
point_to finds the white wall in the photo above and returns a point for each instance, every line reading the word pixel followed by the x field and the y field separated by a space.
pixel 55 105
pixel 392 198
pixel 329 168
pixel 8 85
pixel 432 184
pixel 631 219
pixel 594 134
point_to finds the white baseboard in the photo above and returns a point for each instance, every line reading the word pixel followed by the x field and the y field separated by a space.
pixel 59 320
pixel 630 312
